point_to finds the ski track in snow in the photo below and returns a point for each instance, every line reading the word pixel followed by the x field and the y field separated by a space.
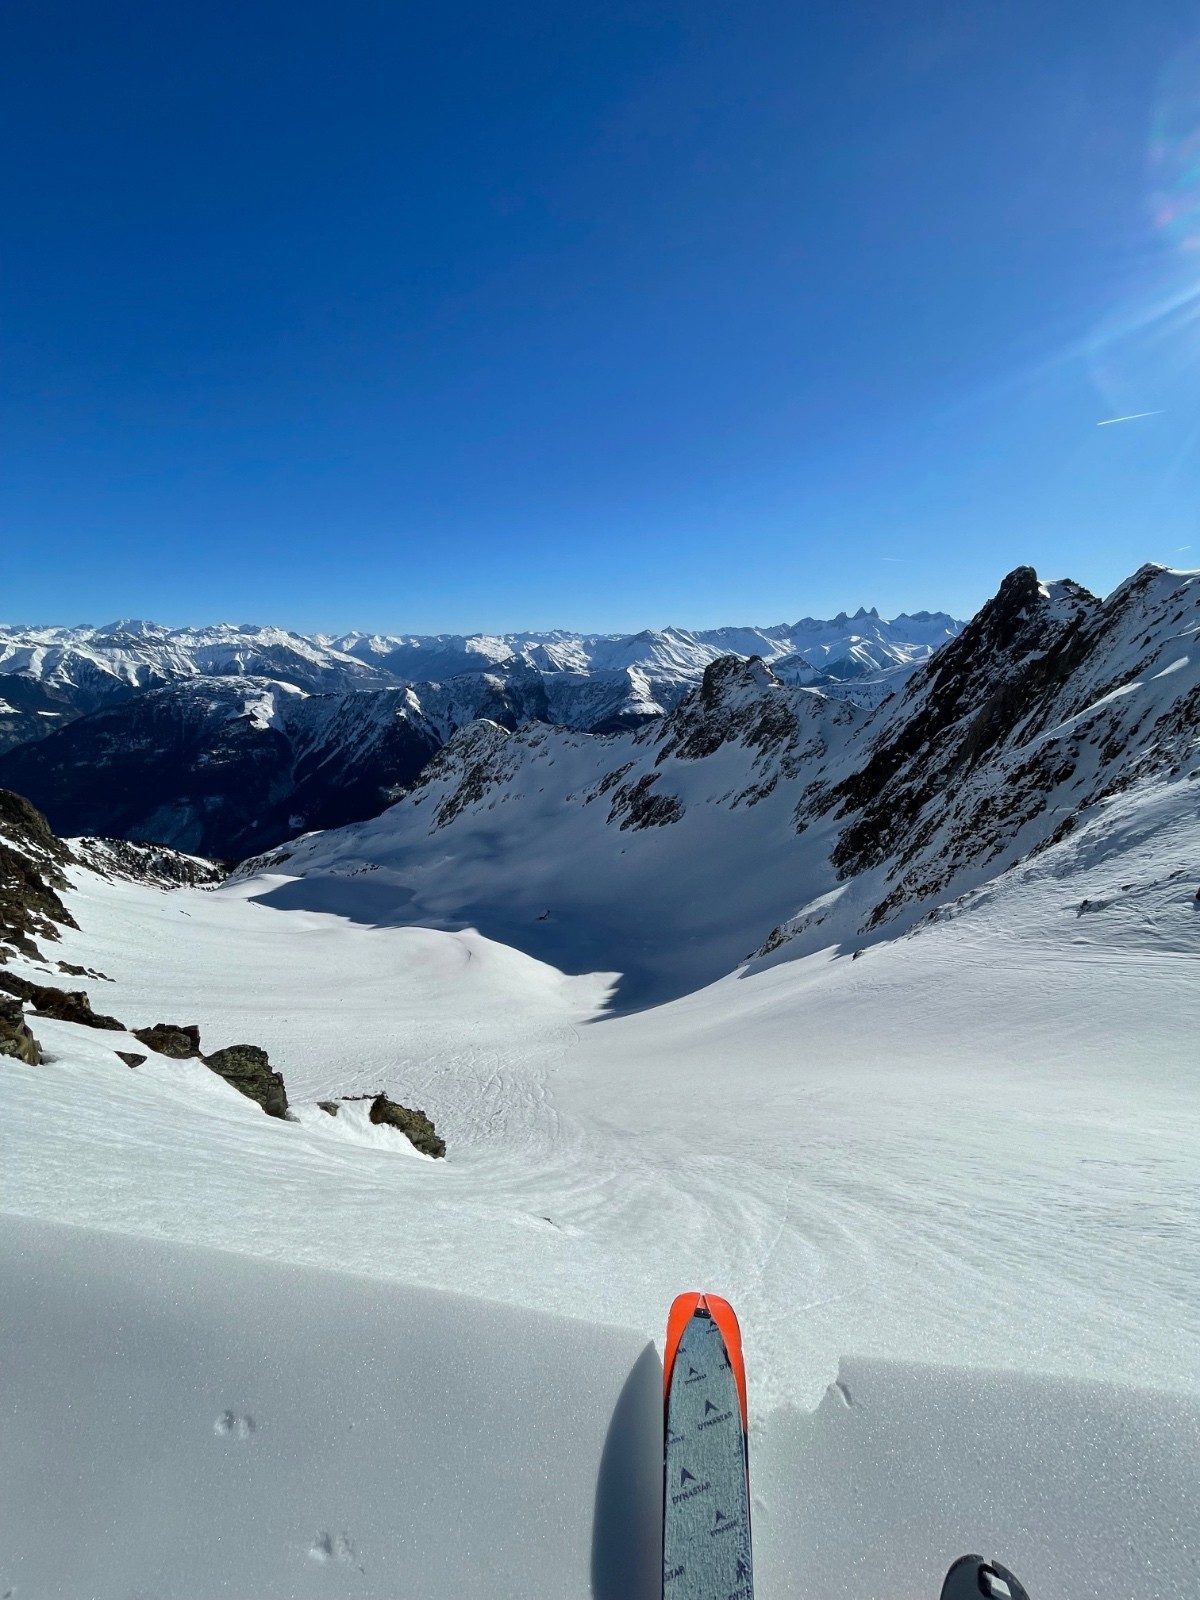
pixel 977 1145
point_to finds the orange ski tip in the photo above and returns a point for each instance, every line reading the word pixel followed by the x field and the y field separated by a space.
pixel 683 1308
pixel 678 1318
pixel 725 1318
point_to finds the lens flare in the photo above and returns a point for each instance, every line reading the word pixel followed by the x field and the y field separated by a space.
pixel 1175 153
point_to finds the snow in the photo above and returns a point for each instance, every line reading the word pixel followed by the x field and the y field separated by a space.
pixel 237 1427
pixel 947 1172
pixel 960 1173
pixel 637 673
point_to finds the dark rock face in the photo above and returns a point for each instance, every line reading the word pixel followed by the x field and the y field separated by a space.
pixel 15 1038
pixel 965 703
pixel 415 1125
pixel 30 710
pixel 64 1005
pixel 248 1069
pixel 178 1040
pixel 639 805
pixel 1011 732
pixel 224 768
pixel 330 1107
pixel 131 1058
pixel 31 876
pixel 149 863
pixel 72 1005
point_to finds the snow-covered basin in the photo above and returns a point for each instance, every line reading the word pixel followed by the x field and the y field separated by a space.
pixel 185 1423
pixel 962 1171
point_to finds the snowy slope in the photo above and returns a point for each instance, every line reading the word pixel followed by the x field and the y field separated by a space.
pixel 665 854
pixel 975 1147
pixel 758 814
pixel 938 1139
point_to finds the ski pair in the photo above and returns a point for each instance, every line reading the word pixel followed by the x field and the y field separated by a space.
pixel 706 1550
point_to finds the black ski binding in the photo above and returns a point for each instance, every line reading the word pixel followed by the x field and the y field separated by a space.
pixel 973 1578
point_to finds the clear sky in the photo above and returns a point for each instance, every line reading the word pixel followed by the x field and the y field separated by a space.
pixel 556 312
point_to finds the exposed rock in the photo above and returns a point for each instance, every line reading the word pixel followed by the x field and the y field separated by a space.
pixel 15 1038
pixel 248 1069
pixel 64 1005
pixel 31 874
pixel 71 1005
pixel 131 1058
pixel 156 864
pixel 73 971
pixel 638 805
pixel 329 1106
pixel 178 1040
pixel 1045 705
pixel 414 1124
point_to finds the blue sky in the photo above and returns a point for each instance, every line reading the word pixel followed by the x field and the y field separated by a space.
pixel 592 315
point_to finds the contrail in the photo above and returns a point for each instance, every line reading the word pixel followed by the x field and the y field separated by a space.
pixel 1132 417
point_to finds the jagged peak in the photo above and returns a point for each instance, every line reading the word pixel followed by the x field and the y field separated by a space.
pixel 730 677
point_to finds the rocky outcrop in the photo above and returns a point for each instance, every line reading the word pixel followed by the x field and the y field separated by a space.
pixel 415 1125
pixel 180 1041
pixel 385 1113
pixel 64 1005
pixel 131 1058
pixel 247 1068
pixel 155 864
pixel 15 1038
pixel 1048 702
pixel 640 805
pixel 32 862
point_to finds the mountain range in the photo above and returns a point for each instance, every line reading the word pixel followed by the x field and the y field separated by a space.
pixel 758 815
pixel 225 740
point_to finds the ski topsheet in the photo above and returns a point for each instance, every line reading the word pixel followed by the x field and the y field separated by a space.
pixel 706 1482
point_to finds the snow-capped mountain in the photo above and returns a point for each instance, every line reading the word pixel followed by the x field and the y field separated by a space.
pixel 843 648
pixel 758 813
pixel 141 731
pixel 50 675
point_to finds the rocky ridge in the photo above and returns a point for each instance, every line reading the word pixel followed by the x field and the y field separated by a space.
pixel 819 820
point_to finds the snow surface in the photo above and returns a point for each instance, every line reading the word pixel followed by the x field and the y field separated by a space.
pixel 959 1176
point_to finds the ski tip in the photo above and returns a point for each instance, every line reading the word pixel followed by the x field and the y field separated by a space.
pixel 683 1308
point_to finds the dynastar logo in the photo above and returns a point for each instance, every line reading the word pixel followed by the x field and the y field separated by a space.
pixel 694 1376
pixel 689 1487
pixel 723 1524
pixel 712 1416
